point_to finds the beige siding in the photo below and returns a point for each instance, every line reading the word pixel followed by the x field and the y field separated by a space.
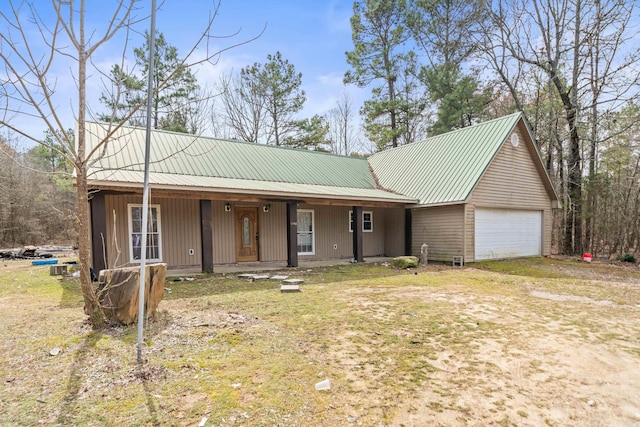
pixel 394 232
pixel 333 239
pixel 224 237
pixel 180 231
pixel 512 181
pixel 469 232
pixel 179 227
pixel 442 228
pixel 273 233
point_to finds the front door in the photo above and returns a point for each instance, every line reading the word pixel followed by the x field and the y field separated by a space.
pixel 246 234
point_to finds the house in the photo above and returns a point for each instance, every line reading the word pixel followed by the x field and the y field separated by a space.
pixel 479 192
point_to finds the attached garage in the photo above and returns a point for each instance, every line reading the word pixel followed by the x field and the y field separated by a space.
pixel 506 233
pixel 483 192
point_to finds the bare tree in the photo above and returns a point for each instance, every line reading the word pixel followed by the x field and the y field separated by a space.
pixel 29 89
pixel 342 131
pixel 242 113
pixel 560 38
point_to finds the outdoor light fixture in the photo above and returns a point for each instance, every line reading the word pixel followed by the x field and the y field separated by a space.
pixel 227 207
pixel 266 207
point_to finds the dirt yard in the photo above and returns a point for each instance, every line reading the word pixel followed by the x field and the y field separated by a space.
pixel 524 343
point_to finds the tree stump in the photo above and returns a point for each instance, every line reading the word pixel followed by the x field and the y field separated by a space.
pixel 118 290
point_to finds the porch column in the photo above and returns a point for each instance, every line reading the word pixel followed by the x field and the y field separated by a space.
pixel 357 234
pixel 292 234
pixel 206 235
pixel 98 209
pixel 407 232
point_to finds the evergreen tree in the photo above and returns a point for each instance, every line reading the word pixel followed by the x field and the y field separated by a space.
pixel 380 56
pixel 277 84
pixel 172 105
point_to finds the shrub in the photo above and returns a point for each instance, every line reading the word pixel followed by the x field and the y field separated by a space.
pixel 403 262
pixel 628 257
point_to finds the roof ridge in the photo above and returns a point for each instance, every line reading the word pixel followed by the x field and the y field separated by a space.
pixel 464 129
pixel 234 141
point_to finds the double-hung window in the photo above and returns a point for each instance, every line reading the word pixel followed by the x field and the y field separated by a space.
pixel 367 221
pixel 154 238
pixel 306 238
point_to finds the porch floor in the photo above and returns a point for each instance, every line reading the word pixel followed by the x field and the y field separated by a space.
pixel 245 267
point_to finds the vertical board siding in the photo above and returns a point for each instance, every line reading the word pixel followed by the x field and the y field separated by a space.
pixel 179 226
pixel 442 228
pixel 512 181
pixel 469 233
pixel 224 234
pixel 394 232
pixel 332 228
pixel 180 231
pixel 273 233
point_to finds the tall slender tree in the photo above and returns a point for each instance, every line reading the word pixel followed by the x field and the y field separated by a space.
pixel 585 49
pixel 278 85
pixel 444 32
pixel 380 57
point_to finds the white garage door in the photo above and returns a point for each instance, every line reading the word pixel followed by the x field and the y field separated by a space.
pixel 503 233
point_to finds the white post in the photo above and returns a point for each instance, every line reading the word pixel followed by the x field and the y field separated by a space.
pixel 145 192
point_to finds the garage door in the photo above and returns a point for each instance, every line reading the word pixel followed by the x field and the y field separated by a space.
pixel 503 233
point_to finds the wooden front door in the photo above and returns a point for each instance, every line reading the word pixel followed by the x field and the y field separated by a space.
pixel 246 234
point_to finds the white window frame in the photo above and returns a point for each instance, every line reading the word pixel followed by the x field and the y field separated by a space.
pixel 130 207
pixel 313 232
pixel 363 221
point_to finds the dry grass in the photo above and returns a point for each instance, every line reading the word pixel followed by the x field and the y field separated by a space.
pixel 442 347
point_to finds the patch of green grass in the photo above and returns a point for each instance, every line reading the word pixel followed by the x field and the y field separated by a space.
pixel 529 267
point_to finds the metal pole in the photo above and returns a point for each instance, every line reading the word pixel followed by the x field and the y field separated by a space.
pixel 145 192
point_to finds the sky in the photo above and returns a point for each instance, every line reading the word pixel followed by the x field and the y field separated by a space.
pixel 312 35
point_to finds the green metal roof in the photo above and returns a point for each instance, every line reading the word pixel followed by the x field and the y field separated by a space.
pixel 186 161
pixel 185 154
pixel 444 168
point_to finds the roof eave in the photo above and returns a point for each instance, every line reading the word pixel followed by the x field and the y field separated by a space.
pixel 257 193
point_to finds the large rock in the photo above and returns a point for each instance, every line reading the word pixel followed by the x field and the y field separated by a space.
pixel 402 262
pixel 118 290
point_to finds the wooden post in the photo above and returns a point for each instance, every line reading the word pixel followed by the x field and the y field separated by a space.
pixel 206 235
pixel 292 234
pixel 357 234
pixel 98 232
pixel 407 232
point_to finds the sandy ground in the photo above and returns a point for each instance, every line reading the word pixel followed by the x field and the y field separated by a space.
pixel 555 359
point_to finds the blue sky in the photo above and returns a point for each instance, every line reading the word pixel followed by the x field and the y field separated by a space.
pixel 312 35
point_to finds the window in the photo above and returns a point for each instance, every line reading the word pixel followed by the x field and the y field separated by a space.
pixel 367 221
pixel 154 240
pixel 306 240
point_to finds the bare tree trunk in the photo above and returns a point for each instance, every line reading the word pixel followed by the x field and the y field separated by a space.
pixel 91 303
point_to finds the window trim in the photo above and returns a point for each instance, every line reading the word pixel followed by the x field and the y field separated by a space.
pixel 130 207
pixel 313 232
pixel 363 229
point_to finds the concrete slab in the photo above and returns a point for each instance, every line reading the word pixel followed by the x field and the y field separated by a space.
pixel 293 281
pixel 279 278
pixel 289 288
